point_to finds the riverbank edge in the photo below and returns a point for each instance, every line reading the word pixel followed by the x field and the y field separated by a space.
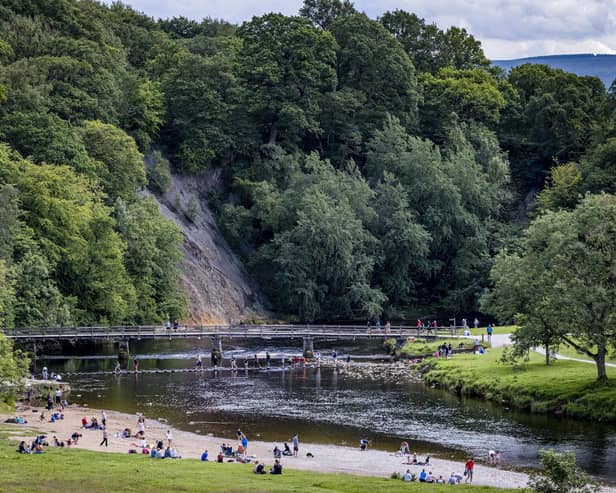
pixel 332 459
pixel 586 405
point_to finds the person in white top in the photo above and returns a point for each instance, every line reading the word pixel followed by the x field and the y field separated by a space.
pixel 169 438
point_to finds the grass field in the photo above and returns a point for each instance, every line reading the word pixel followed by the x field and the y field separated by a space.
pixel 78 471
pixel 565 387
pixel 505 329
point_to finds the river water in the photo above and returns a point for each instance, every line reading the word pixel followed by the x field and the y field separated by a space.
pixel 327 406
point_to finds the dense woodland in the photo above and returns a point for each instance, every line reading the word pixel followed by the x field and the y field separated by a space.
pixel 368 166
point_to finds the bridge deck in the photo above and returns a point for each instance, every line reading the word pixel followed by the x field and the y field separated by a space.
pixel 223 331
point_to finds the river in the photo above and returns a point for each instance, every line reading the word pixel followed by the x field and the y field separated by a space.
pixel 327 406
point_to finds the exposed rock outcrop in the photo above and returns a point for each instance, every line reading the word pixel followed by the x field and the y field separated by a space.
pixel 218 288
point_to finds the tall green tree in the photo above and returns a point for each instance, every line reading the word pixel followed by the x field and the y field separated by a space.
pixel 286 64
pixel 432 49
pixel 568 263
pixel 323 12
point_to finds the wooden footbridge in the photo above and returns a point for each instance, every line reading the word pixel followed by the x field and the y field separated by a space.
pixel 216 333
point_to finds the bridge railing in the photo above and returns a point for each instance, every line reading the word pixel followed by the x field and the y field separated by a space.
pixel 271 330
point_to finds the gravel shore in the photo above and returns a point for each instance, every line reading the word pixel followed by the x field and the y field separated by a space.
pixel 326 458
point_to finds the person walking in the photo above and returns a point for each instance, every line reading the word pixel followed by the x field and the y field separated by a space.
pixel 468 470
pixel 476 322
pixel 295 441
pixel 104 418
pixel 105 441
pixel 335 357
pixel 489 330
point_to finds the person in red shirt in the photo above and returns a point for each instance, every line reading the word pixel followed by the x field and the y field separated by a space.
pixel 468 470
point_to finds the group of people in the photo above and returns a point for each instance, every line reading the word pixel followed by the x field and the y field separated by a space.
pixel 259 468
pixel 444 350
pixel 36 447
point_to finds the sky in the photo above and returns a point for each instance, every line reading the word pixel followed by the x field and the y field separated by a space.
pixel 506 28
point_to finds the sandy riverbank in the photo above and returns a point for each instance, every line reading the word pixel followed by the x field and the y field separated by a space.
pixel 327 458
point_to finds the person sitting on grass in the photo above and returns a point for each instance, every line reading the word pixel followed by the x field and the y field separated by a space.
pixel 422 476
pixel 259 468
pixel 287 450
pixel 23 448
pixel 75 437
pixel 277 452
pixel 220 457
pixel 153 453
pixel 277 469
pixel 430 478
pixel 204 456
pixel 173 453
pixel 407 476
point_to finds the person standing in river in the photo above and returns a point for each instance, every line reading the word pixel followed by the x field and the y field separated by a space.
pixel 268 359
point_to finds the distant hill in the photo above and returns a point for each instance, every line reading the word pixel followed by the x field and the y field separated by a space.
pixel 602 66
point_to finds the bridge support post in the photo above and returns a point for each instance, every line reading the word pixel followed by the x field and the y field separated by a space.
pixel 308 347
pixel 123 353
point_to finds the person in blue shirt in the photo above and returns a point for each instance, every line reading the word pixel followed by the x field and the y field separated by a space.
pixel 204 456
pixel 489 330
pixel 153 453
pixel 422 476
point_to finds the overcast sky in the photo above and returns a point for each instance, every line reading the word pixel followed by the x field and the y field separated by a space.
pixel 506 28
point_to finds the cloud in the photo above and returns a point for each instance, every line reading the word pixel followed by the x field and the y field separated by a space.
pixel 506 28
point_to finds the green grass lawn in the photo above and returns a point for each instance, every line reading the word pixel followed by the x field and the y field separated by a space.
pixel 505 329
pixel 565 387
pixel 79 471
pixel 571 352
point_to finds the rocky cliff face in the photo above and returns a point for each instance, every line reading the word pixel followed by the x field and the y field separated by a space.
pixel 218 288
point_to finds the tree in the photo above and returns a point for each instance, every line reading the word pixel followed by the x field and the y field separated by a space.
pixel 404 244
pixel 564 277
pixel 13 369
pixel 472 94
pixel 66 219
pixel 561 475
pixel 151 259
pixel 551 119
pixel 286 64
pixel 45 137
pixel 200 98
pixel 431 49
pixel 518 294
pixel 562 189
pixel 158 172
pixel 371 62
pixel 323 12
pixel 122 169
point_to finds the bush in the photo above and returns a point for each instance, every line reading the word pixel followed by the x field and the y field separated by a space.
pixel 560 475
pixel 159 174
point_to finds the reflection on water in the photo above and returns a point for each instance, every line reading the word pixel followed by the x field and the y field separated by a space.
pixel 327 406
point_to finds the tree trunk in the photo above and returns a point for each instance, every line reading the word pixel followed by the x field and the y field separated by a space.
pixel 547 355
pixel 600 362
